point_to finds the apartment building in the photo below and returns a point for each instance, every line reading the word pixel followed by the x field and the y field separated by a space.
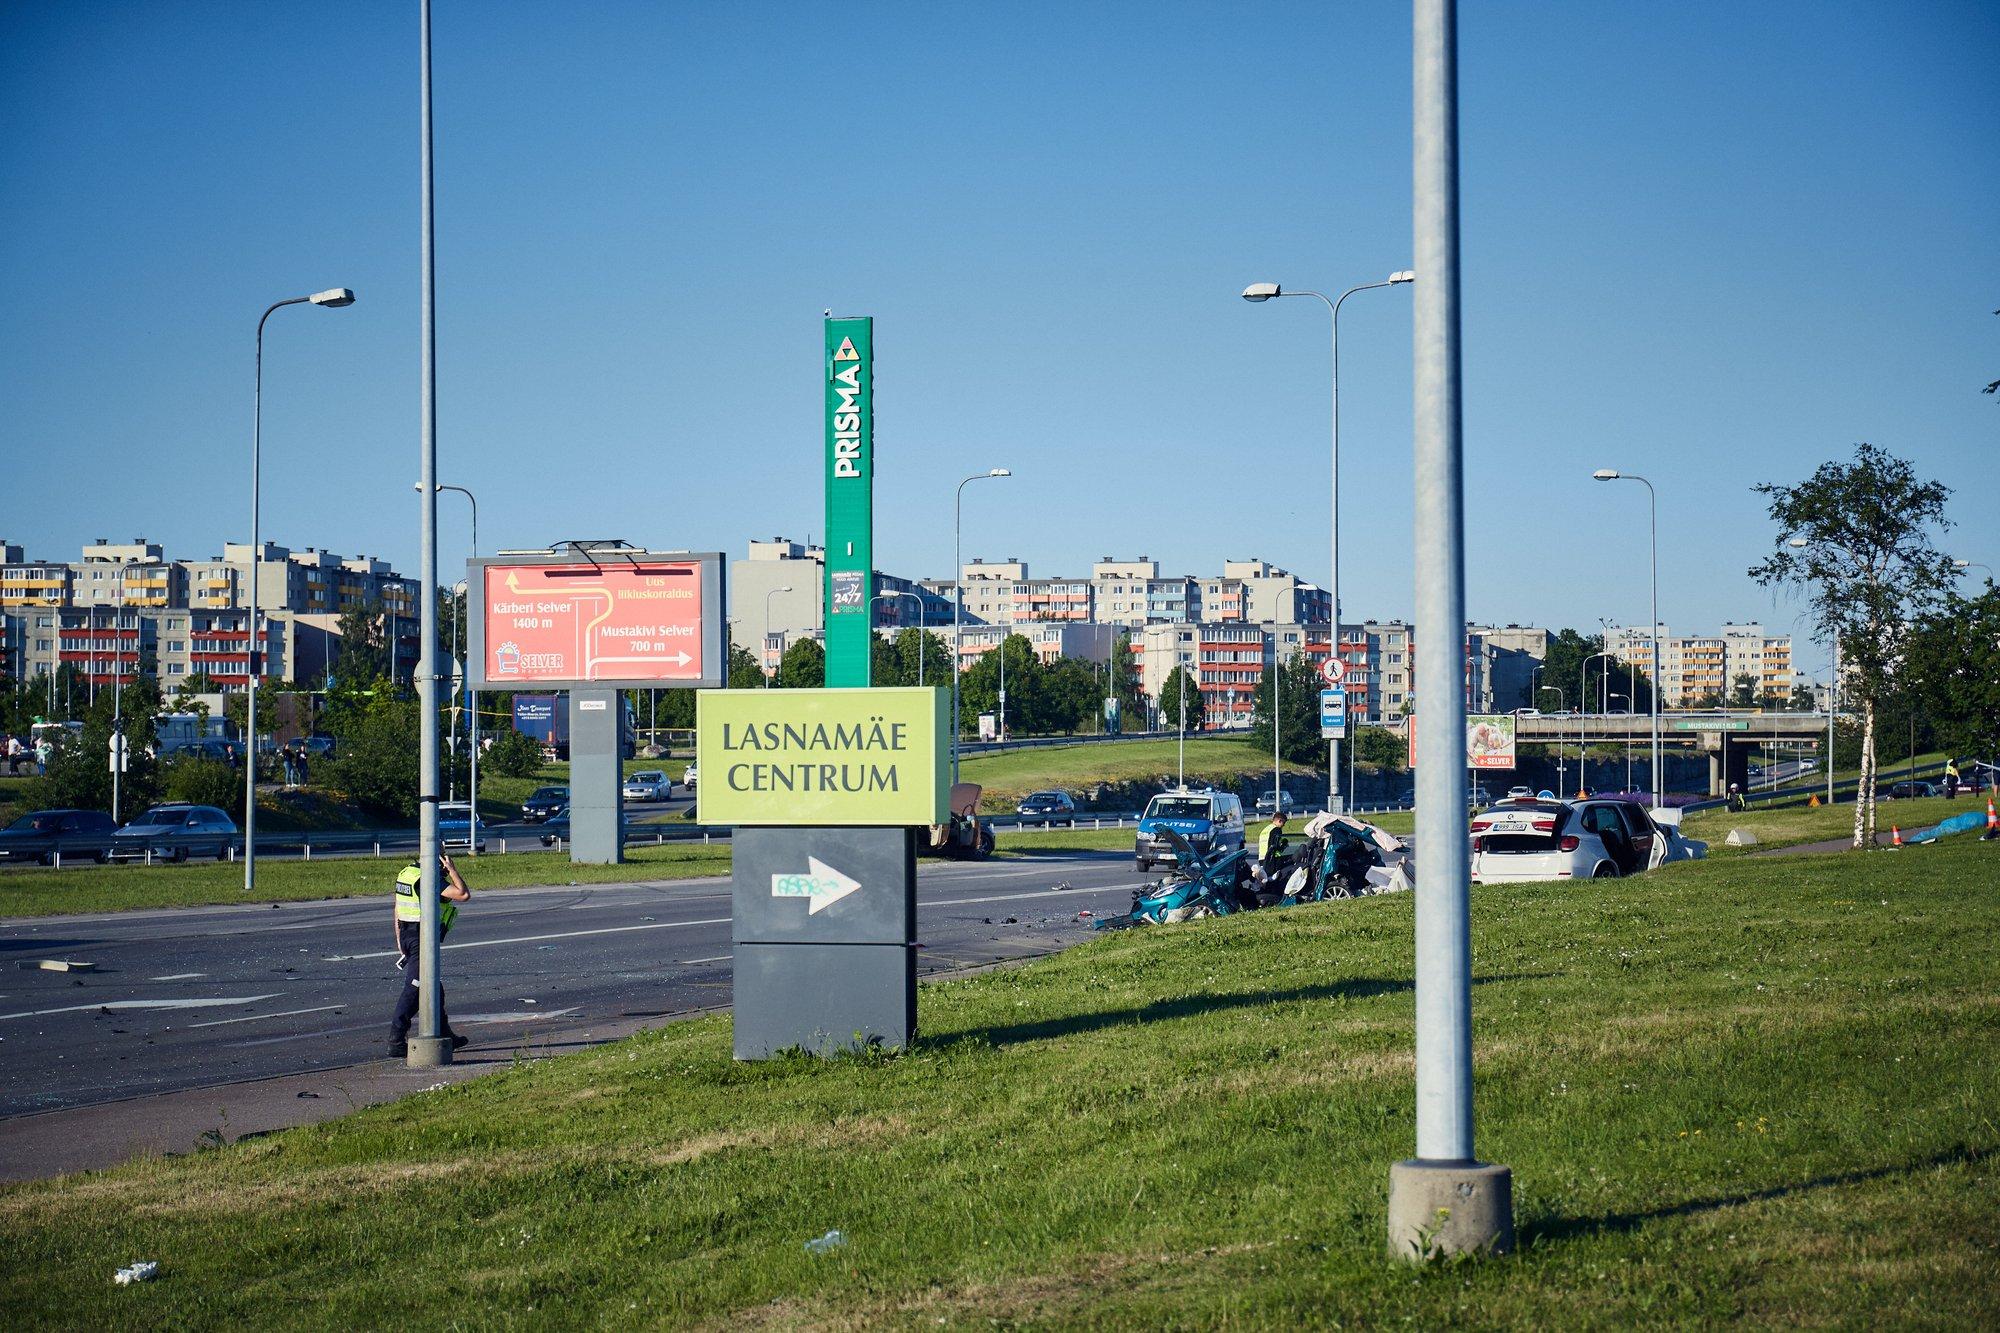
pixel 776 591
pixel 1696 668
pixel 124 603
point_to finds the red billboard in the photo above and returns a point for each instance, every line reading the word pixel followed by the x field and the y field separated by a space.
pixel 635 622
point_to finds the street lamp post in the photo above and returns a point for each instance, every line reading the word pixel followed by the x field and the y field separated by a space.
pixel 332 298
pixel 1264 291
pixel 1832 697
pixel 471 695
pixel 1582 702
pixel 958 599
pixel 1652 630
pixel 772 674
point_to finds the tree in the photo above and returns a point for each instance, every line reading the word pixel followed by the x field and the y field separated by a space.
pixel 79 775
pixel 514 755
pixel 1178 685
pixel 377 760
pixel 362 657
pixel 1028 704
pixel 744 671
pixel 1125 685
pixel 1298 711
pixel 1569 667
pixel 1952 674
pixel 1076 694
pixel 1869 572
pixel 1743 691
pixel 1803 700
pixel 1381 747
pixel 803 667
pixel 894 660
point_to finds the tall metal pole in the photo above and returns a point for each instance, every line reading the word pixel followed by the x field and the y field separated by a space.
pixel 1476 1201
pixel 1653 510
pixel 256 560
pixel 1583 702
pixel 1832 710
pixel 958 601
pixel 429 1047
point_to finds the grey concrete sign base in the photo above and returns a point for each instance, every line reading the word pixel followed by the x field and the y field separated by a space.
pixel 1444 1208
pixel 824 923
pixel 429 1052
pixel 596 778
pixel 823 998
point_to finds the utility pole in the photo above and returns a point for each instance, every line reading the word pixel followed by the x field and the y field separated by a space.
pixel 1445 1201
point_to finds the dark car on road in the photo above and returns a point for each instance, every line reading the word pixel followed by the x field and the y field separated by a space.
pixel 41 834
pixel 543 803
pixel 175 832
pixel 1047 807
pixel 1908 791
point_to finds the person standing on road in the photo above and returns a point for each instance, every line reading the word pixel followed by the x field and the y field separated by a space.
pixel 409 916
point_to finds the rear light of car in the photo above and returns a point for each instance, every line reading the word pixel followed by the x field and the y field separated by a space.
pixel 1545 826
pixel 1570 843
pixel 1478 844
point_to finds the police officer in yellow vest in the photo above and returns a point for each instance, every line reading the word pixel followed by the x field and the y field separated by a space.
pixel 409 916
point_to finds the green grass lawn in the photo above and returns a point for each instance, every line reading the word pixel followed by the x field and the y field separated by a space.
pixel 37 892
pixel 1789 825
pixel 1012 774
pixel 1731 1092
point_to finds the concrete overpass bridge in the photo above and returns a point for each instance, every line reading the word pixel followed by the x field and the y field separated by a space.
pixel 1726 737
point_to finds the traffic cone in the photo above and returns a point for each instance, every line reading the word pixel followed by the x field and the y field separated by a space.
pixel 1814 802
pixel 1895 836
pixel 1992 822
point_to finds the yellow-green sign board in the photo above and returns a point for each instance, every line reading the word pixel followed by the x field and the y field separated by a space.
pixel 833 756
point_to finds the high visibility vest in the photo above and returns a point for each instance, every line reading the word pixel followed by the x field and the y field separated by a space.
pixel 409 906
pixel 1272 834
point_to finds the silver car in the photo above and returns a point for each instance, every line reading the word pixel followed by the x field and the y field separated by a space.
pixel 649 785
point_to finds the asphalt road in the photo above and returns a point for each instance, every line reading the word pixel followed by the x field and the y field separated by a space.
pixel 198 997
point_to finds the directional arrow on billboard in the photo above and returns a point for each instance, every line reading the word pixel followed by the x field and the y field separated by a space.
pixel 822 885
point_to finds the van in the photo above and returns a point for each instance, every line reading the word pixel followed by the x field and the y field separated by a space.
pixel 1211 821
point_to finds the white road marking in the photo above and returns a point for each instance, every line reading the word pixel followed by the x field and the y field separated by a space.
pixel 182 976
pixel 525 1016
pixel 253 1018
pixel 143 1004
pixel 531 939
pixel 719 958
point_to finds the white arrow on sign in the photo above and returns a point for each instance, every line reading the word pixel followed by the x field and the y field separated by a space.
pixel 821 885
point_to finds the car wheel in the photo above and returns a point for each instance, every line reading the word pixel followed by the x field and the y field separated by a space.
pixel 1605 871
pixel 99 857
pixel 180 854
pixel 1143 865
pixel 222 851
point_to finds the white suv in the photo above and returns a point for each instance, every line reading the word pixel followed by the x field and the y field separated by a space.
pixel 1591 839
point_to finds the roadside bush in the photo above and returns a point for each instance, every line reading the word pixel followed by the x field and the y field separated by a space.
pixel 513 755
pixel 203 782
pixel 377 763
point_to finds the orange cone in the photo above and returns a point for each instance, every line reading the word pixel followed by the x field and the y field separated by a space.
pixel 1814 802
pixel 1895 836
pixel 1992 817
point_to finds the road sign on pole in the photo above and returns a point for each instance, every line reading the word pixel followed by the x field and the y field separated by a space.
pixel 1332 670
pixel 1332 714
pixel 850 499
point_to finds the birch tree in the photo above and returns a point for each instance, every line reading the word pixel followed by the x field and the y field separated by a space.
pixel 1855 540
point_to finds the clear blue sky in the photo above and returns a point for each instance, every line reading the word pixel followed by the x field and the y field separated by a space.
pixel 1714 243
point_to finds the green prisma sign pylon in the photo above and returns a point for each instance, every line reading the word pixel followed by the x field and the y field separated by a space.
pixel 850 498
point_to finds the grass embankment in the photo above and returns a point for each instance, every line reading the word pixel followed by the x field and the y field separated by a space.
pixel 1737 1091
pixel 1012 774
pixel 36 892
pixel 1791 825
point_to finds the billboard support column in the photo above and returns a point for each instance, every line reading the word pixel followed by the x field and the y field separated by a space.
pixel 848 595
pixel 596 778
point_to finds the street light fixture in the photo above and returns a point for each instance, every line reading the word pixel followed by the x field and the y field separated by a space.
pixel 332 297
pixel 772 674
pixel 958 599
pixel 1653 630
pixel 1259 292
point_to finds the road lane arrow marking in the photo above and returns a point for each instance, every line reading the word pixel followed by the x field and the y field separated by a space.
pixel 821 886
